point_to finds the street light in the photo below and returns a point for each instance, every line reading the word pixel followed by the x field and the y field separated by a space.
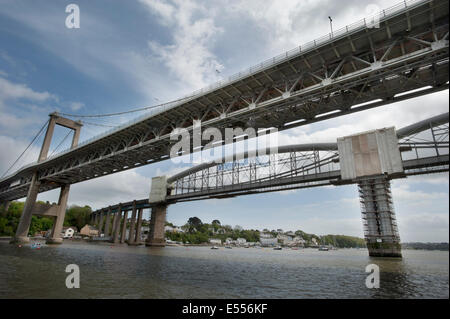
pixel 331 25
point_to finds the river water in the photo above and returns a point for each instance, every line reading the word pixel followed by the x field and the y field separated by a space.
pixel 120 271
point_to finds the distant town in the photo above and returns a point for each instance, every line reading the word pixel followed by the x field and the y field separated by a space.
pixel 193 232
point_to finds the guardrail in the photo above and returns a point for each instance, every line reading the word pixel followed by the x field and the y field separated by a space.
pixel 312 45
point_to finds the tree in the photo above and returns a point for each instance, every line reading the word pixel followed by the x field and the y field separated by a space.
pixel 78 216
pixel 216 222
pixel 194 223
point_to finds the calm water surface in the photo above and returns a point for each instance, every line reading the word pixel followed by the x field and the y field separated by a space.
pixel 199 272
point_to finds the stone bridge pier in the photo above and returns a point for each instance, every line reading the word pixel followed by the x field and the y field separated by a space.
pixel 158 193
pixel 31 207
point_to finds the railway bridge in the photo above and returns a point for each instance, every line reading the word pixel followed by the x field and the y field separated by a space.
pixel 369 159
pixel 358 67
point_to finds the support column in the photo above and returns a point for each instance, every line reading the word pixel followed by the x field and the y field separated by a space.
pixel 59 220
pixel 114 223
pixel 100 225
pixel 96 219
pixel 6 205
pixel 137 240
pixel 108 222
pixel 131 235
pixel 21 236
pixel 380 226
pixel 25 219
pixel 117 225
pixel 124 227
pixel 157 224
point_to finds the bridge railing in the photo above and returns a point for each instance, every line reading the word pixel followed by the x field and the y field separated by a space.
pixel 312 45
pixel 309 46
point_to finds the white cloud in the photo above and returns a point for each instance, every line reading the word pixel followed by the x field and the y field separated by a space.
pixel 12 91
pixel 75 106
pixel 189 58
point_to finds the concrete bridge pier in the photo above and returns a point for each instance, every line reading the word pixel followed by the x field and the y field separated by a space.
pixel 108 222
pixel 131 234
pixel 21 236
pixel 59 219
pixel 116 222
pixel 157 223
pixel 100 224
pixel 380 226
pixel 137 238
pixel 124 227
pixel 6 205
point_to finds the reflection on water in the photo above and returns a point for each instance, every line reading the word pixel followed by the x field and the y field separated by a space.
pixel 198 272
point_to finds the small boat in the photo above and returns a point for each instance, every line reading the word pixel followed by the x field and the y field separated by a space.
pixel 228 247
pixel 294 248
pixel 323 248
pixel 214 247
pixel 36 245
pixel 277 248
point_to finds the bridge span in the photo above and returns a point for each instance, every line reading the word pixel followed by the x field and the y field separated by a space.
pixel 361 66
pixel 422 148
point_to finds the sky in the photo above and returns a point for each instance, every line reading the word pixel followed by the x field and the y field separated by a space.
pixel 129 54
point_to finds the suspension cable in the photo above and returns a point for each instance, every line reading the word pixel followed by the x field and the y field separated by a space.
pixel 34 139
pixel 125 112
pixel 60 143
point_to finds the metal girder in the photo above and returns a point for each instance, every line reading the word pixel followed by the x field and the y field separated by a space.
pixel 406 40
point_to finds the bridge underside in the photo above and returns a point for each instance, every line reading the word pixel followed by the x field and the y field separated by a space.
pixel 356 69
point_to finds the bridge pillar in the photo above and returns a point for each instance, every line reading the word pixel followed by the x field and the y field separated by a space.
pixel 113 225
pixel 100 224
pixel 59 220
pixel 6 205
pixel 380 226
pixel 25 219
pixel 137 239
pixel 157 223
pixel 117 218
pixel 131 236
pixel 124 227
pixel 108 222
pixel 21 236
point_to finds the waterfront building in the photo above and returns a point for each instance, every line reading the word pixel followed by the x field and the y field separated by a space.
pixel 89 230
pixel 215 241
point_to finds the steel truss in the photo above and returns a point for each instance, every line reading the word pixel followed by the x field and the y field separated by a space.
pixel 360 69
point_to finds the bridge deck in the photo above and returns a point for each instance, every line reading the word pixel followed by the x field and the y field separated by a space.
pixel 357 69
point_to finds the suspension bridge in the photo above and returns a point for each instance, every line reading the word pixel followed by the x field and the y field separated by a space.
pixel 353 69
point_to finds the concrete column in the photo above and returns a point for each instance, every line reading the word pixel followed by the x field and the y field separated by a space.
pixel 131 236
pixel 117 226
pixel 25 219
pixel 137 240
pixel 6 205
pixel 96 219
pixel 59 220
pixel 48 138
pixel 108 222
pixel 114 222
pixel 100 225
pixel 157 224
pixel 124 227
pixel 379 222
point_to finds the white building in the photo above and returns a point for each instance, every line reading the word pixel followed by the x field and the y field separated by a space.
pixel 68 232
pixel 241 241
pixel 268 241
pixel 215 241
pixel 285 239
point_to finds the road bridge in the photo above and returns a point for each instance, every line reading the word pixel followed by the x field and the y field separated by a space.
pixel 356 68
